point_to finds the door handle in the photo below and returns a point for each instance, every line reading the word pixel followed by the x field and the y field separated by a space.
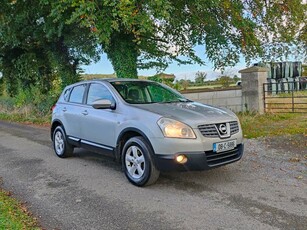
pixel 85 112
pixel 64 109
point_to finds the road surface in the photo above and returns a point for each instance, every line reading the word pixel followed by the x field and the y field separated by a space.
pixel 267 189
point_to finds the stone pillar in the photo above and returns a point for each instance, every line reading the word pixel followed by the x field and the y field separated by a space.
pixel 252 88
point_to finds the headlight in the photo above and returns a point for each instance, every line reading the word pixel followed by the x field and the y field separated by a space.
pixel 175 129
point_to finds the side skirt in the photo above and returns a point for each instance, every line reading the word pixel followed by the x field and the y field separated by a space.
pixel 91 146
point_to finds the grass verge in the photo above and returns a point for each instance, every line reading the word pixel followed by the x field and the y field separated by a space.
pixel 14 215
pixel 22 118
pixel 270 124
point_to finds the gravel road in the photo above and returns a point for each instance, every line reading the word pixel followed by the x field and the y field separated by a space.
pixel 267 189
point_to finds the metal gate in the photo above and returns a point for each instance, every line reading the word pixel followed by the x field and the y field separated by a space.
pixel 285 97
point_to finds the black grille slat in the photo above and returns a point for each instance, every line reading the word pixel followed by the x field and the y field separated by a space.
pixel 234 127
pixel 211 131
pixel 215 159
pixel 208 130
pixel 221 157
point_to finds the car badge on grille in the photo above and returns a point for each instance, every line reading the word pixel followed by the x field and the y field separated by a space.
pixel 223 129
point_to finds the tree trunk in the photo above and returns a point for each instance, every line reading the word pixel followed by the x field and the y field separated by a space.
pixel 68 65
pixel 123 55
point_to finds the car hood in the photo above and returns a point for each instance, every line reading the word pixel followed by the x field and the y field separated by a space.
pixel 191 113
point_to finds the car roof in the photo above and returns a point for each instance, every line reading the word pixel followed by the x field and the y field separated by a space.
pixel 107 80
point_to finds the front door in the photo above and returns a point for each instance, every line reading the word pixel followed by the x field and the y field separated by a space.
pixel 98 125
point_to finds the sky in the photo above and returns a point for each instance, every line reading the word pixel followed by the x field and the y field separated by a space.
pixel 180 71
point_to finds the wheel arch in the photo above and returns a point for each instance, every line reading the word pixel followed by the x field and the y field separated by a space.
pixel 55 124
pixel 124 136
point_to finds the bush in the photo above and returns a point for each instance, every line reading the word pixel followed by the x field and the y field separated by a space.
pixel 28 105
pixel 6 104
pixel 225 81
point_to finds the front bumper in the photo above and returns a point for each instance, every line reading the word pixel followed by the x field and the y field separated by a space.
pixel 199 160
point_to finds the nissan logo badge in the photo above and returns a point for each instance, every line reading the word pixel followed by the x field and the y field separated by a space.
pixel 223 128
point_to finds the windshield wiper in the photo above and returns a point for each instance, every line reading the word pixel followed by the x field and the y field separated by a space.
pixel 184 100
pixel 177 101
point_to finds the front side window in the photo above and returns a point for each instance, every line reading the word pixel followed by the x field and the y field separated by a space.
pixel 77 93
pixel 98 92
pixel 143 92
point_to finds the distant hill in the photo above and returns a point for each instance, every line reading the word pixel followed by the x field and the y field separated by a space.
pixel 97 76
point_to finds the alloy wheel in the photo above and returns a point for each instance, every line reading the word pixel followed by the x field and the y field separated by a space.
pixel 135 162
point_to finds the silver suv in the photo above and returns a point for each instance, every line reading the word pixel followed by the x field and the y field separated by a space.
pixel 146 126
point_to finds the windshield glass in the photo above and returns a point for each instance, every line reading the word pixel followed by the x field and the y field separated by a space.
pixel 143 92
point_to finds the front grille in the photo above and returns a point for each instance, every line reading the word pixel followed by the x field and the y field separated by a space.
pixel 211 130
pixel 234 127
pixel 216 159
pixel 208 130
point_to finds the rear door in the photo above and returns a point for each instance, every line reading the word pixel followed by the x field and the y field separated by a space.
pixel 72 111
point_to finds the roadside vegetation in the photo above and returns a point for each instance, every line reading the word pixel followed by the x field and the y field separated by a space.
pixel 270 124
pixel 254 125
pixel 28 106
pixel 14 215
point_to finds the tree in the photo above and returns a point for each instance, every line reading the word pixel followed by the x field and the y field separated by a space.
pixel 1 84
pixel 145 34
pixel 304 70
pixel 200 77
pixel 34 49
pixel 43 38
pixel 225 81
pixel 185 83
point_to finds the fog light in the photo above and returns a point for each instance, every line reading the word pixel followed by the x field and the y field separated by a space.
pixel 181 159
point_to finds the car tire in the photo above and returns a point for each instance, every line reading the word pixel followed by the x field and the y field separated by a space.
pixel 60 145
pixel 137 162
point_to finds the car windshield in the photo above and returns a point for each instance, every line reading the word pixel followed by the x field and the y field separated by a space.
pixel 143 92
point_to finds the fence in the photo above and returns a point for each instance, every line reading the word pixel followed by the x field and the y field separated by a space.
pixel 284 96
pixel 231 99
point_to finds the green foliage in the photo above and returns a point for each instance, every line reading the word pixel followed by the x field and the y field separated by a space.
pixel 157 32
pixel 304 69
pixel 161 78
pixel 7 104
pixel 177 86
pixel 225 81
pixel 29 105
pixel 200 77
pixel 1 86
pixel 48 39
pixel 123 55
pixel 13 215
pixel 34 49
pixel 255 125
pixel 168 81
pixel 155 78
pixel 184 83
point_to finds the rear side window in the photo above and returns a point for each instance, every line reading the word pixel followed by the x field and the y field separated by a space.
pixel 98 92
pixel 77 93
pixel 66 94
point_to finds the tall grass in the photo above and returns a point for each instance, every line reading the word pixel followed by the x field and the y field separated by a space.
pixel 255 125
pixel 29 106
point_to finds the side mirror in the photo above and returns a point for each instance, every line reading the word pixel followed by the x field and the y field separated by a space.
pixel 103 104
